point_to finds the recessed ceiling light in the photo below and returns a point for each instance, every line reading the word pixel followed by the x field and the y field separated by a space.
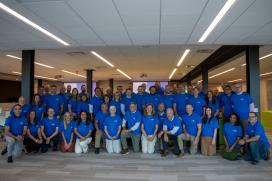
pixel 14 72
pixel 171 75
pixel 236 80
pixel 265 56
pixel 244 64
pixel 12 56
pixel 216 20
pixel 32 24
pixel 266 73
pixel 123 73
pixel 72 73
pixel 221 73
pixel 102 58
pixel 183 57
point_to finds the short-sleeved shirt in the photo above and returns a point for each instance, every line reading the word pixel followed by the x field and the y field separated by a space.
pixel 39 110
pixel 257 130
pixel 240 104
pixel 96 102
pixel 54 101
pixel 34 129
pixel 112 123
pixel 198 103
pixel 131 119
pixel 181 101
pixel 174 122
pixel 150 123
pixel 83 129
pixel 16 124
pixel 232 133
pixel 209 126
pixel 100 118
pixel 191 122
pixel 68 131
pixel 50 125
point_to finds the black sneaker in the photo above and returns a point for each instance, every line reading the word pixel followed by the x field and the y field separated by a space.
pixel 96 151
pixel 55 149
pixel 124 152
pixel 10 159
pixel 254 162
pixel 267 156
pixel 164 154
pixel 4 151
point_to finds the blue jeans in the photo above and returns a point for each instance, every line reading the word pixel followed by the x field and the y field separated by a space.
pixel 256 151
pixel 176 146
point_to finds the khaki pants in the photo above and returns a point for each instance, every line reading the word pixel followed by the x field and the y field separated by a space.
pixel 207 148
pixel 135 141
pixel 193 147
pixel 98 138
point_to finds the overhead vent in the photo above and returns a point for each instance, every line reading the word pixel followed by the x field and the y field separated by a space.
pixel 78 53
pixel 204 51
pixel 143 75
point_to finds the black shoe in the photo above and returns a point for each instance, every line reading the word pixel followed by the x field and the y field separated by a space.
pixel 10 159
pixel 254 162
pixel 96 151
pixel 164 154
pixel 124 152
pixel 4 151
pixel 267 156
pixel 55 149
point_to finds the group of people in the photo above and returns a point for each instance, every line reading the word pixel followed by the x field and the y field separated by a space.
pixel 170 116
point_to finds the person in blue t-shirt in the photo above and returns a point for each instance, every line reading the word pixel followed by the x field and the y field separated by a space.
pixel 242 104
pixel 213 103
pixel 33 140
pixel 15 131
pixel 83 131
pixel 65 97
pixel 66 130
pixel 180 101
pixel 99 126
pixel 152 98
pixel 168 97
pixel 126 100
pixel 112 129
pixel 53 100
pixel 192 128
pixel 73 103
pixel 38 107
pixel 116 101
pixel 161 117
pixel 50 130
pixel 256 141
pixel 172 130
pixel 225 101
pixel 25 107
pixel 95 102
pixel 209 133
pixel 131 129
pixel 139 97
pixel 198 102
pixel 232 132
pixel 106 99
pixel 149 129
pixel 160 90
pixel 83 104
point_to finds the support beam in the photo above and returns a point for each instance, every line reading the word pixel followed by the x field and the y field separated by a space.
pixel 253 73
pixel 90 81
pixel 205 79
pixel 39 83
pixel 27 88
pixel 111 85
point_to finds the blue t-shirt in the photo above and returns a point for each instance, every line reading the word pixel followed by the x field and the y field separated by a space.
pixel 214 107
pixel 168 100
pixel 96 103
pixel 132 119
pixel 208 128
pixel 191 123
pixel 34 129
pixel 112 123
pixel 126 101
pixel 181 101
pixel 39 110
pixel 150 123
pixel 73 103
pixel 225 101
pixel 117 105
pixel 161 118
pixel 83 129
pixel 16 124
pixel 139 100
pixel 50 125
pixel 240 104
pixel 25 110
pixel 54 101
pixel 153 99
pixel 169 125
pixel 68 131
pixel 198 103
pixel 82 106
pixel 100 118
pixel 65 99
pixel 232 133
pixel 257 130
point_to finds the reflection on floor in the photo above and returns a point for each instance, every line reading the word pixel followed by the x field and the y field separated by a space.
pixel 55 166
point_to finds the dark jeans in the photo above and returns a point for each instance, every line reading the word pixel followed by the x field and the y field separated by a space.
pixel 55 141
pixel 31 145
pixel 176 146
pixel 256 151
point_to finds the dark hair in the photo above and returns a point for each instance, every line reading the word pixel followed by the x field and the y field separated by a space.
pixel 205 118
pixel 106 95
pixel 153 111
pixel 88 119
pixel 213 98
pixel 35 119
pixel 72 96
pixel 85 96
pixel 33 100
pixel 237 123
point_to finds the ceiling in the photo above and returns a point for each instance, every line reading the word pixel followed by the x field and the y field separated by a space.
pixel 140 36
